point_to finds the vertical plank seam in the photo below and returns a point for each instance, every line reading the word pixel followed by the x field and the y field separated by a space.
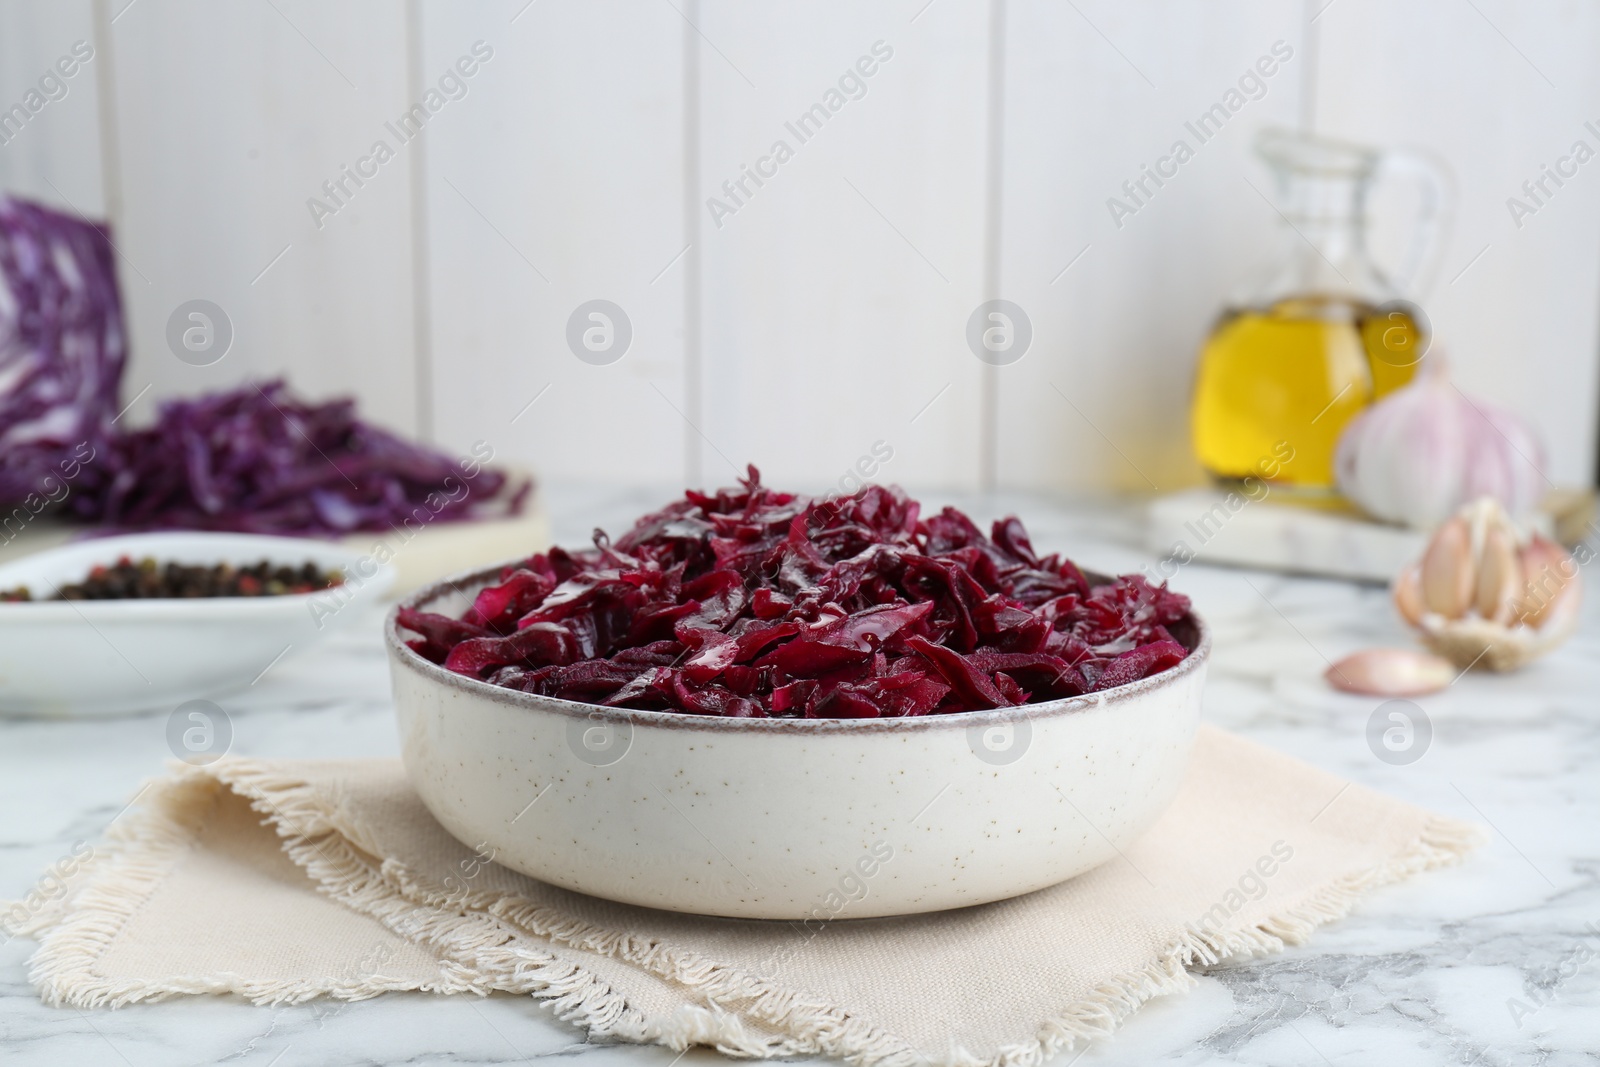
pixel 989 390
pixel 109 135
pixel 693 385
pixel 1309 74
pixel 106 116
pixel 421 266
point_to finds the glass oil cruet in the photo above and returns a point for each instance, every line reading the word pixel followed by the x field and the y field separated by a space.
pixel 1327 332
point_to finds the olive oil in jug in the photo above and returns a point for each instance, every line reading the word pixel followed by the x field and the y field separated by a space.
pixel 1285 369
pixel 1296 370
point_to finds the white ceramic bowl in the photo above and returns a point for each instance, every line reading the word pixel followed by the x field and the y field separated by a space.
pixel 103 657
pixel 784 818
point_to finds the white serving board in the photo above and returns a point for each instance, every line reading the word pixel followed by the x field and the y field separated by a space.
pixel 1275 533
pixel 1214 526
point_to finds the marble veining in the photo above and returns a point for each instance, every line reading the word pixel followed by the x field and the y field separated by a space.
pixel 1493 963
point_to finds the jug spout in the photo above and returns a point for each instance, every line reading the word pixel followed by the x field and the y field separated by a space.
pixel 1290 150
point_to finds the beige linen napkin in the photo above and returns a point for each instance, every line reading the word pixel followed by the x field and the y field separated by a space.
pixel 283 880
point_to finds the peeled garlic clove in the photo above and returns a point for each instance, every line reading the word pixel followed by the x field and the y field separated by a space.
pixel 1408 595
pixel 1547 570
pixel 1391 672
pixel 1447 570
pixel 1499 576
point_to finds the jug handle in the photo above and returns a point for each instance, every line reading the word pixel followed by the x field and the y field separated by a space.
pixel 1415 274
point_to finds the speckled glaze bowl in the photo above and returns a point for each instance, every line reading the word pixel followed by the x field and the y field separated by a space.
pixel 784 818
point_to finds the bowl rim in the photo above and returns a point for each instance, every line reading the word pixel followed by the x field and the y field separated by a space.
pixel 402 655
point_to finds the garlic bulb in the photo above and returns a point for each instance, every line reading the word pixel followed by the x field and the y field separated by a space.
pixel 1484 595
pixel 1424 450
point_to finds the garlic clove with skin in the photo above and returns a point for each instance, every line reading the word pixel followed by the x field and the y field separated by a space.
pixel 1391 672
pixel 1408 595
pixel 1448 578
pixel 1547 570
pixel 1484 595
pixel 1499 582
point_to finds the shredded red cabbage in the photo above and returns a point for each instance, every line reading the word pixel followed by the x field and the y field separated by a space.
pixel 61 345
pixel 755 603
pixel 257 460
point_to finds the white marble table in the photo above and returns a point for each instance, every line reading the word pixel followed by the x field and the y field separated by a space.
pixel 1494 963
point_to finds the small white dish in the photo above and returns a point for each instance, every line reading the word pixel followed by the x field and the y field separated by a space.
pixel 799 819
pixel 106 657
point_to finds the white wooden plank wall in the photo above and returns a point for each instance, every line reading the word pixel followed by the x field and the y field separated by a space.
pixel 1499 89
pixel 55 157
pixel 559 182
pixel 825 313
pixel 1095 91
pixel 835 299
pixel 230 117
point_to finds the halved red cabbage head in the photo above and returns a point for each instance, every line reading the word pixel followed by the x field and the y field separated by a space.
pixel 755 603
pixel 61 346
